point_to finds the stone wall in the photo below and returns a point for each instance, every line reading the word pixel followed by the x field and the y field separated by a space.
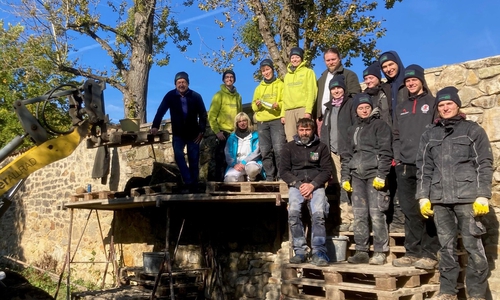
pixel 36 227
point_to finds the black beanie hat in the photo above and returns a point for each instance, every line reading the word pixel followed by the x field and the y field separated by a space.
pixel 448 93
pixel 181 75
pixel 361 98
pixel 228 72
pixel 267 62
pixel 415 71
pixel 386 57
pixel 337 80
pixel 373 69
pixel 297 51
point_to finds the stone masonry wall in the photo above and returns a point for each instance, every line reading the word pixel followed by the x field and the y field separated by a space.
pixel 35 229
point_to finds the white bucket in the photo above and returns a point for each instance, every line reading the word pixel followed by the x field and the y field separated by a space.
pixel 336 247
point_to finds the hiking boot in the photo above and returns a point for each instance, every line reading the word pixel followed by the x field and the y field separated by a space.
pixel 405 261
pixel 298 259
pixel 361 257
pixel 320 259
pixel 426 263
pixel 378 258
pixel 444 297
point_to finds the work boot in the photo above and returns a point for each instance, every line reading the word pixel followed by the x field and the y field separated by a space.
pixel 444 297
pixel 361 257
pixel 378 258
pixel 426 263
pixel 320 259
pixel 405 261
pixel 298 259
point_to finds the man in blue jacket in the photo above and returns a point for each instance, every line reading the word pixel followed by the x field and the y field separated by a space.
pixel 189 119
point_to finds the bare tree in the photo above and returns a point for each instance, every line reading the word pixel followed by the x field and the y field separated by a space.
pixel 134 34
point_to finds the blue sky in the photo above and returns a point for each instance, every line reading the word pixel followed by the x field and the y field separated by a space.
pixel 431 33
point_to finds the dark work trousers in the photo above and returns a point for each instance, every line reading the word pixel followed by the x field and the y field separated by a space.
pixel 395 216
pixel 365 206
pixel 450 219
pixel 271 140
pixel 420 233
pixel 219 160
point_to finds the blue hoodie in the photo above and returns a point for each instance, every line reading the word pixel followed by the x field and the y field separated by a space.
pixel 397 81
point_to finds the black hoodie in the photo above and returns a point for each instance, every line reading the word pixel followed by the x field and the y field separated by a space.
pixel 397 82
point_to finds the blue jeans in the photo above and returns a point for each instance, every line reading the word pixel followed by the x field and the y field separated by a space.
pixel 365 206
pixel 271 140
pixel 189 174
pixel 318 208
pixel 450 220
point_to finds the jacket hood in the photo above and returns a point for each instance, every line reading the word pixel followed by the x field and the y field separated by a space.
pixel 401 68
pixel 224 89
pixel 300 66
pixel 298 142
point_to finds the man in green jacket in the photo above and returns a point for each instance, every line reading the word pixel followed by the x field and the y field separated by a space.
pixel 226 104
pixel 299 93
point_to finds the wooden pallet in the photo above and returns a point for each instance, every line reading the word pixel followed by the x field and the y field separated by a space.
pixel 187 284
pixel 93 196
pixel 247 187
pixel 165 187
pixel 339 280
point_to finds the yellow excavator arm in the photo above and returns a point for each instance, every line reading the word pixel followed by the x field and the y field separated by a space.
pixel 40 156
pixel 86 109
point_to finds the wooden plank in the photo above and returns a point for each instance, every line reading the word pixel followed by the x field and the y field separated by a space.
pixel 247 187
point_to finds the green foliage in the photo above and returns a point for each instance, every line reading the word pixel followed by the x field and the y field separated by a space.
pixel 27 72
pixel 272 28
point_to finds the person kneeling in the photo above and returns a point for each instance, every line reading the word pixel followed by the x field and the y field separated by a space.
pixel 242 152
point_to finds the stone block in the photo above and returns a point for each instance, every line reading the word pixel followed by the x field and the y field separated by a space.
pixel 495 199
pixel 467 94
pixel 453 75
pixel 472 78
pixel 491 123
pixel 488 72
pixel 491 86
pixel 485 102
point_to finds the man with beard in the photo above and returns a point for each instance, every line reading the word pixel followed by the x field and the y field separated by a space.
pixel 306 166
pixel 334 67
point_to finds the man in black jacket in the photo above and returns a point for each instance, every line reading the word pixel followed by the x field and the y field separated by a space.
pixel 333 62
pixel 411 118
pixel 306 166
pixel 189 120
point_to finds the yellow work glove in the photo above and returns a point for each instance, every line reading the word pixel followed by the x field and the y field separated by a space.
pixel 378 183
pixel 480 206
pixel 425 208
pixel 347 186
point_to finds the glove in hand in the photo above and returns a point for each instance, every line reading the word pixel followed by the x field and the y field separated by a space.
pixel 347 186
pixel 425 208
pixel 378 183
pixel 480 206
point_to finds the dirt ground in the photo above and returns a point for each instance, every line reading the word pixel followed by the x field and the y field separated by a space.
pixel 16 287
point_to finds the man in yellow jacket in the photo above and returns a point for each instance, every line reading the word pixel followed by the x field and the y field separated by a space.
pixel 226 104
pixel 299 94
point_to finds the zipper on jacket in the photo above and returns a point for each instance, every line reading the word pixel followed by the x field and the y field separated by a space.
pixel 414 106
pixel 404 170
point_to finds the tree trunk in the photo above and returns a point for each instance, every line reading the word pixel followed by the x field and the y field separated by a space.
pixel 137 77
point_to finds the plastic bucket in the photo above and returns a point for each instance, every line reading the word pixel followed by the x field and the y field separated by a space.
pixel 152 261
pixel 336 247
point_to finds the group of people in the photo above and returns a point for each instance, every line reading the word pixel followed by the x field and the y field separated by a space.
pixel 393 147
